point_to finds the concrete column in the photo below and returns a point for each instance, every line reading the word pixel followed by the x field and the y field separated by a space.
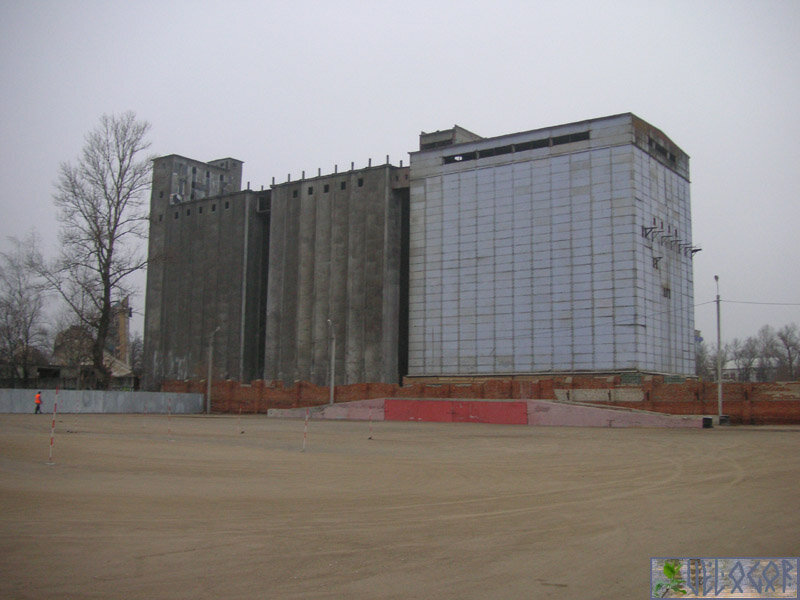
pixel 277 258
pixel 305 282
pixel 322 290
pixel 354 340
pixel 340 213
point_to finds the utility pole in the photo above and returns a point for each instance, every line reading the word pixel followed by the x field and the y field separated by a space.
pixel 210 362
pixel 719 355
pixel 333 358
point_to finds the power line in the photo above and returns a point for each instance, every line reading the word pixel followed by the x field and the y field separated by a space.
pixel 763 303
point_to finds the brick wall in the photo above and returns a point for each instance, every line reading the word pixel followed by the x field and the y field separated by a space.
pixel 747 403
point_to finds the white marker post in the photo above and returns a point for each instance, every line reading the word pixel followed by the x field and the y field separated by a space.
pixel 53 430
pixel 169 417
pixel 305 431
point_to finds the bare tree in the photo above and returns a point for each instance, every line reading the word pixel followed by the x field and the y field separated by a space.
pixel 744 355
pixel 703 365
pixel 788 350
pixel 767 345
pixel 23 336
pixel 102 216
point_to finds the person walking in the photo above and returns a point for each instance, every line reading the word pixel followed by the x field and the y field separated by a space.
pixel 38 400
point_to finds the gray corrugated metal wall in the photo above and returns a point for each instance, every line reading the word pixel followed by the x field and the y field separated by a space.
pixel 87 401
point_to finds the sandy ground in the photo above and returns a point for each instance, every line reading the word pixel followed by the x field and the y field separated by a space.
pixel 146 507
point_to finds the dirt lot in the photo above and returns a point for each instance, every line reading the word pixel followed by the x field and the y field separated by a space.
pixel 146 507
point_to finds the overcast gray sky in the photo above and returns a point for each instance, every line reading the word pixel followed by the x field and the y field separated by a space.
pixel 292 86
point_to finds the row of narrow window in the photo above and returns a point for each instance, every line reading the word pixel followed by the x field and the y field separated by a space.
pixel 199 210
pixel 521 147
pixel 327 188
pixel 208 174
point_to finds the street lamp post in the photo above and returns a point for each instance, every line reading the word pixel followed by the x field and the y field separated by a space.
pixel 333 358
pixel 210 362
pixel 719 355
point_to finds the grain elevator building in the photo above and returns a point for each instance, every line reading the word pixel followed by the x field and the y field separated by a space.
pixel 563 249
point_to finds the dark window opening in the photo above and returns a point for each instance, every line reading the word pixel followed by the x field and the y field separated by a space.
pixel 208 174
pixel 326 188
pixel 571 137
pixel 176 214
pixel 294 193
pixel 188 212
pixel 222 177
pixel 160 218
pixel 448 160
pixel 343 185
pixel 213 208
pixel 227 204
pixel 200 210
pixel 310 190
pixel 360 182
pixel 533 145
pixel 666 292
pixel 194 170
pixel 161 194
pixel 495 151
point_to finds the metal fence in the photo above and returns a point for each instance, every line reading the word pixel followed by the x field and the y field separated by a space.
pixel 90 401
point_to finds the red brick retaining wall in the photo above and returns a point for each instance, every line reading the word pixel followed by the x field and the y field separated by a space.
pixel 748 403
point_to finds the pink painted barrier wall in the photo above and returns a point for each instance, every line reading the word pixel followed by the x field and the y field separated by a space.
pixel 456 411
pixel 530 412
pixel 562 414
pixel 360 410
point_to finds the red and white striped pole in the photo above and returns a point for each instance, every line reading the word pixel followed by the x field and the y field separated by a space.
pixel 53 429
pixel 305 430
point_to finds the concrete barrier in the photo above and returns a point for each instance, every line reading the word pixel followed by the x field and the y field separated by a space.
pixel 360 410
pixel 505 412
pixel 90 401
pixel 571 414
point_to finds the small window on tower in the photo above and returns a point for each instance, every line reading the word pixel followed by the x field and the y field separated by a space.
pixel 360 182
pixel 666 292
pixel 326 188
pixel 343 185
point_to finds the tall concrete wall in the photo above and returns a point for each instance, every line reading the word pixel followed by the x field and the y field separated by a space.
pixel 86 401
pixel 334 253
pixel 207 272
